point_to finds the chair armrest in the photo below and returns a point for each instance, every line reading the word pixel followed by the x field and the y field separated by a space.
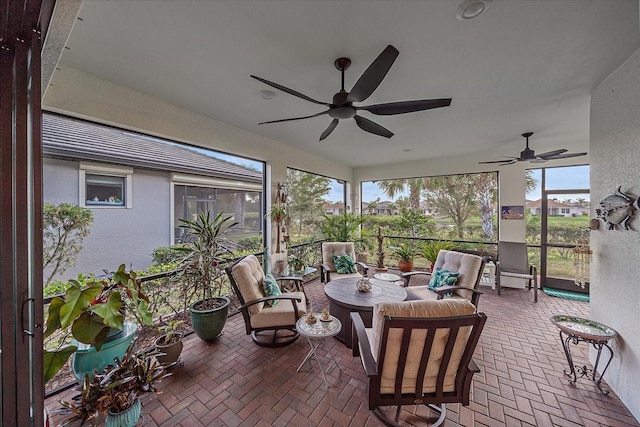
pixel 361 346
pixel 444 289
pixel 365 267
pixel 325 273
pixel 407 276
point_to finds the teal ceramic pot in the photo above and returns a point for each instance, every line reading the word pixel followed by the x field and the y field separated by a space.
pixel 87 358
pixel 208 324
pixel 127 418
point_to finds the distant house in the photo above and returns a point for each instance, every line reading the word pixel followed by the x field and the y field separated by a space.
pixel 379 208
pixel 555 208
pixel 333 208
pixel 138 187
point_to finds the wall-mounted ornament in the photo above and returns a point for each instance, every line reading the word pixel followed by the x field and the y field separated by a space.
pixel 594 224
pixel 617 209
pixel 582 254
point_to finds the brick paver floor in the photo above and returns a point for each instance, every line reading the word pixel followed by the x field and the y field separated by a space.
pixel 234 382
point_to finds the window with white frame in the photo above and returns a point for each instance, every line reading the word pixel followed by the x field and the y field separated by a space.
pixel 105 185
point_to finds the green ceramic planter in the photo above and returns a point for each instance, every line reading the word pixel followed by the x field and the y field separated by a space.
pixel 87 358
pixel 127 418
pixel 208 324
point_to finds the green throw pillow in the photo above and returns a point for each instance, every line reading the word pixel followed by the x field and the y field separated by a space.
pixel 443 278
pixel 271 288
pixel 344 264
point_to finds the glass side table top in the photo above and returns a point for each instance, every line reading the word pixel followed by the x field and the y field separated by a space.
pixel 583 328
pixel 320 329
pixel 387 277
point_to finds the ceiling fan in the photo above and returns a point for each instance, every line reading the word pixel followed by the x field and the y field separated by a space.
pixel 530 155
pixel 342 106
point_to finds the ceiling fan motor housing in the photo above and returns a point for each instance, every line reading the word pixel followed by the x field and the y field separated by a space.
pixel 527 154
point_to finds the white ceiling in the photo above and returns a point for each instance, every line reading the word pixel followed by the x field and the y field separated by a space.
pixel 521 66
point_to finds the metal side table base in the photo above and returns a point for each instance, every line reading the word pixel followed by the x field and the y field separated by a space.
pixel 576 330
pixel 316 334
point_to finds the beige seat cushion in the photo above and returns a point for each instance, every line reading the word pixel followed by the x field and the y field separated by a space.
pixel 281 314
pixel 248 275
pixel 425 308
pixel 420 293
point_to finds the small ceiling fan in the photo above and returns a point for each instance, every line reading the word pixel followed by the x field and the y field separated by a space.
pixel 342 106
pixel 530 155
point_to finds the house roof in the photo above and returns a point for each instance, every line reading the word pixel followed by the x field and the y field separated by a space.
pixel 551 204
pixel 72 139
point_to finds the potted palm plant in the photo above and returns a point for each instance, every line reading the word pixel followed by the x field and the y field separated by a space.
pixel 404 253
pixel 116 389
pixel 431 249
pixel 202 272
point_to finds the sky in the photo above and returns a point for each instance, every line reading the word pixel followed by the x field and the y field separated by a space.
pixel 575 177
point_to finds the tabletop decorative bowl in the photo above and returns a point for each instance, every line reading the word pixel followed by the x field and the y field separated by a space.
pixel 363 285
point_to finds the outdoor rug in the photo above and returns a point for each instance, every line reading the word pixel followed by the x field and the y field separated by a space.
pixel 566 294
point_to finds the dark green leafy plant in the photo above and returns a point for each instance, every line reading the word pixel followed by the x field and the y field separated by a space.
pixel 431 249
pixel 342 227
pixel 87 312
pixel 404 253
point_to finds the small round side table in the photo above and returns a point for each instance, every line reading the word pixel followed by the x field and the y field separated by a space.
pixel 316 334
pixel 389 277
pixel 578 329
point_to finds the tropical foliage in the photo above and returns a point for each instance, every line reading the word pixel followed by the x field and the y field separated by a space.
pixel 205 253
pixel 89 309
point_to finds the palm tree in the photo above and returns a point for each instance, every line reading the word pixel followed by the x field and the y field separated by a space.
pixel 392 187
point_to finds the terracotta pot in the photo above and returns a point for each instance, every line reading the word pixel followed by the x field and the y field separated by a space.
pixel 405 266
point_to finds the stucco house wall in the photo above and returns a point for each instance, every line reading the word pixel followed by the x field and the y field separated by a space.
pixel 118 235
pixel 615 284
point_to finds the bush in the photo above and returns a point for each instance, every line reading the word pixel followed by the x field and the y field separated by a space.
pixel 251 244
pixel 167 254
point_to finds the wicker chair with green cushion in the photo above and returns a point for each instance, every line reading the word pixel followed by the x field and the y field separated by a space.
pixel 418 352
pixel 469 269
pixel 271 320
pixel 339 261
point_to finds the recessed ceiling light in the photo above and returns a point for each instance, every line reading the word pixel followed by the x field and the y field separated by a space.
pixel 470 9
pixel 267 94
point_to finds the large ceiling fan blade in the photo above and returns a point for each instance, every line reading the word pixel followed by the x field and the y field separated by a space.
pixel 289 91
pixel 329 129
pixel 373 76
pixel 566 156
pixel 501 161
pixel 372 127
pixel 296 118
pixel 553 153
pixel 402 107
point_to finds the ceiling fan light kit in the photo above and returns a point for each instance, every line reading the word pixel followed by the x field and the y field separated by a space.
pixel 342 107
pixel 529 155
pixel 470 9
